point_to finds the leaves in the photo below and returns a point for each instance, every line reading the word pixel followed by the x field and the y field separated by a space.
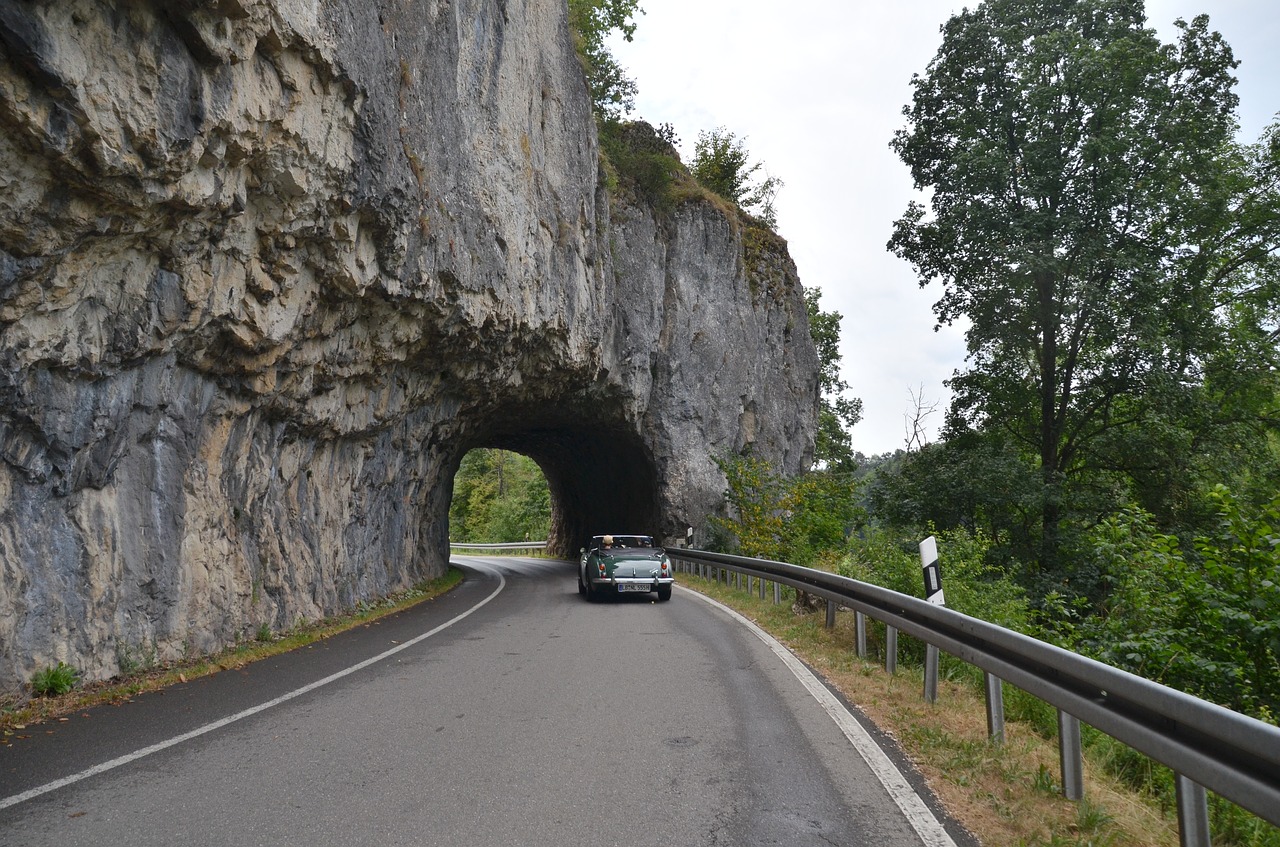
pixel 1206 621
pixel 499 496
pixel 613 93
pixel 837 412
pixel 792 520
pixel 722 164
pixel 1087 200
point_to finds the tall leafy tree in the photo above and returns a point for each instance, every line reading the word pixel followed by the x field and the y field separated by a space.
pixel 613 93
pixel 1070 155
pixel 837 411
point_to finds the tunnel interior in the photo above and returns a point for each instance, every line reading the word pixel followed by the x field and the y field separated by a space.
pixel 601 480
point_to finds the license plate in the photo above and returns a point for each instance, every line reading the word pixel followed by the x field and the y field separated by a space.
pixel 642 587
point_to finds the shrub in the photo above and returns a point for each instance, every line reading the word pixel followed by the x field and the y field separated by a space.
pixel 54 680
pixel 722 164
pixel 971 584
pixel 1206 622
pixel 644 160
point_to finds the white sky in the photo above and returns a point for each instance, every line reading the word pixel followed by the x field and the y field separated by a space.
pixel 816 87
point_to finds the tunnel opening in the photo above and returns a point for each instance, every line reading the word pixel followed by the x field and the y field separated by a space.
pixel 598 479
pixel 499 496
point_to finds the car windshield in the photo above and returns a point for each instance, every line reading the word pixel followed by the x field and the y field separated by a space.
pixel 624 541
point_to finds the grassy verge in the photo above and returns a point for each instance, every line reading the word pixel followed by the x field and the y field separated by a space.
pixel 1005 794
pixel 16 713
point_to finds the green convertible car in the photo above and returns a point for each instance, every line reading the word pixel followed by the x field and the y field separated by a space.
pixel 624 564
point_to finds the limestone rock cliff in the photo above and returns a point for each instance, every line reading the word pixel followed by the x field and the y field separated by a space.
pixel 268 269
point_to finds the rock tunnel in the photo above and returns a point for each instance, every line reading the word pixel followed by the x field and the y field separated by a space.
pixel 601 480
pixel 251 319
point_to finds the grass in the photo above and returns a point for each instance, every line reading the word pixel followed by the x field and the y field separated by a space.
pixel 1005 794
pixel 17 713
pixel 54 680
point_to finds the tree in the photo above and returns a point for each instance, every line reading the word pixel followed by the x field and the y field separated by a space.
pixel 1070 157
pixel 721 164
pixel 613 93
pixel 837 412
pixel 796 520
pixel 499 496
pixel 973 481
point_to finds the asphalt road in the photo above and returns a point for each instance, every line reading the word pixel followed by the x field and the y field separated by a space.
pixel 511 712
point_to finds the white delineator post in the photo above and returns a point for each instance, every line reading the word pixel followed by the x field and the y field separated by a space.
pixel 933 594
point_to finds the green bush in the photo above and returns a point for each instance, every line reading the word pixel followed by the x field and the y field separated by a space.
pixel 592 22
pixel 644 161
pixel 802 520
pixel 54 680
pixel 722 164
pixel 1207 621
pixel 971 585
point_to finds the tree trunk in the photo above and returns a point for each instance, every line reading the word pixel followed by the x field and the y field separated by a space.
pixel 1051 509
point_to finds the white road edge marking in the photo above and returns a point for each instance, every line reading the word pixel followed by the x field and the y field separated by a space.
pixel 14 800
pixel 920 817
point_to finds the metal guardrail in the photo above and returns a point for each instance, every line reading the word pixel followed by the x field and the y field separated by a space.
pixel 510 546
pixel 1206 746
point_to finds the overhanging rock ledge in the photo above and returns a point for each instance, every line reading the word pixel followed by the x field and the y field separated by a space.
pixel 269 269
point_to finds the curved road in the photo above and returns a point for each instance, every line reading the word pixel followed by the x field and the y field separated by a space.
pixel 508 712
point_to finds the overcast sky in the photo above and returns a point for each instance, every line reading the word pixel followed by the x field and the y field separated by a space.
pixel 816 87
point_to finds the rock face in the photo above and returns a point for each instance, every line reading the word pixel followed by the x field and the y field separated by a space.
pixel 269 269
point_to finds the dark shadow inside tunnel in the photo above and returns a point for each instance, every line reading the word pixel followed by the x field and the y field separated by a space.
pixel 600 481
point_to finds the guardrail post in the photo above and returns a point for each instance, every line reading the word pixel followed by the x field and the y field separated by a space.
pixel 930 673
pixel 831 614
pixel 1071 753
pixel 777 593
pixel 995 687
pixel 995 707
pixel 1193 812
pixel 737 581
pixel 860 634
pixel 891 649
